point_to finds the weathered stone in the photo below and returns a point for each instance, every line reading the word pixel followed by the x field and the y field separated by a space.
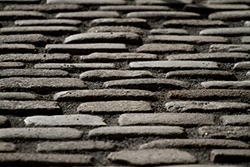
pixel 114 106
pixel 104 57
pixel 228 132
pixel 40 133
pixel 228 2
pixel 174 64
pixel 248 73
pixel 182 119
pixel 85 48
pixel 242 65
pixel 17 96
pixel 147 83
pixel 230 15
pixel 137 131
pixel 105 37
pixel 105 94
pixel 235 120
pixel 163 48
pixel 7 147
pixel 87 15
pixel 98 29
pixel 17 48
pixel 229 48
pixel 4 122
pixel 205 165
pixel 205 106
pixel 4 65
pixel 72 66
pixel 245 39
pixel 193 143
pixel 187 39
pixel 226 31
pixel 194 23
pixel 19 1
pixel 27 38
pixel 203 8
pixel 163 2
pixel 29 107
pixel 13 15
pixel 95 75
pixel 48 22
pixel 134 8
pixel 88 2
pixel 169 31
pixel 74 146
pixel 247 24
pixel 152 157
pixel 226 84
pixel 45 159
pixel 230 155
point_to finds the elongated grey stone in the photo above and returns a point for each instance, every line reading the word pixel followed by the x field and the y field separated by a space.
pixel 169 31
pixel 230 15
pixel 137 131
pixel 205 165
pixel 247 24
pixel 116 29
pixel 181 119
pixel 228 132
pixel 7 147
pixel 226 84
pixel 226 31
pixel 235 119
pixel 248 73
pixel 152 157
pixel 162 2
pixel 196 143
pixel 193 23
pixel 215 7
pixel 64 120
pixel 5 15
pixel 48 22
pixel 88 2
pixel 105 94
pixel 4 122
pixel 40 133
pixel 114 106
pixel 245 39
pixel 19 1
pixel 17 48
pixel 230 155
pixel 17 96
pixel 174 64
pixel 242 65
pixel 147 83
pixel 134 8
pixel 229 48
pixel 205 106
pixel 28 38
pixel 228 2
pixel 68 66
pixel 163 48
pixel 95 75
pixel 74 146
pixel 4 65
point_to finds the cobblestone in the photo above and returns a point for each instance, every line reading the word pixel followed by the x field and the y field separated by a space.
pixel 163 48
pixel 68 66
pixel 134 8
pixel 230 15
pixel 242 65
pixel 215 7
pixel 4 65
pixel 48 22
pixel 193 23
pixel 169 31
pixel 235 119
pixel 32 73
pixel 245 39
pixel 230 155
pixel 116 29
pixel 226 31
pixel 229 48
pixel 17 96
pixel 17 48
pixel 228 2
pixel 5 15
pixel 89 2
pixel 29 38
pixel 162 2
pixel 7 147
pixel 226 84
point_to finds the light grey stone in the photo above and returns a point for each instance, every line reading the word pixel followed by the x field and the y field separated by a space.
pixel 247 24
pixel 230 155
pixel 229 48
pixel 230 15
pixel 245 39
pixel 215 7
pixel 134 8
pixel 69 66
pixel 88 2
pixel 228 2
pixel 7 147
pixel 245 65
pixel 162 2
pixel 193 23
pixel 4 65
pixel 5 15
pixel 169 31
pixel 226 84
pixel 48 22
pixel 98 29
pixel 17 96
pixel 235 119
pixel 226 31
pixel 248 73
pixel 204 165
pixel 37 39
pixel 163 48
pixel 17 48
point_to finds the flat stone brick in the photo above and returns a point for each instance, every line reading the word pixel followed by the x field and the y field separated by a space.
pixel 230 155
pixel 96 75
pixel 163 14
pixel 193 23
pixel 41 84
pixel 107 57
pixel 209 94
pixel 85 48
pixel 147 83
pixel 162 2
pixel 29 107
pixel 4 122
pixel 165 48
pixel 205 106
pixel 19 1
pixel 242 65
pixel 105 37
pixel 4 65
pixel 70 66
pixel 152 157
pixel 169 31
pixel 235 120
pixel 13 15
pixel 104 94
pixel 205 165
pixel 123 8
pixel 180 119
pixel 174 64
pixel 226 84
pixel 45 159
pixel 193 143
pixel 247 24
pixel 114 107
pixel 229 48
pixel 230 15
pixel 27 38
pixel 228 2
pixel 187 39
pixel 248 73
pixel 98 29
pixel 47 30
pixel 87 15
pixel 245 39
pixel 202 74
pixel 228 132
pixel 226 31
pixel 48 22
pixel 17 48
pixel 74 146
pixel 7 147
pixel 40 57
pixel 89 2
pixel 214 7
pixel 137 131
pixel 40 133
pixel 17 96
pixel 64 120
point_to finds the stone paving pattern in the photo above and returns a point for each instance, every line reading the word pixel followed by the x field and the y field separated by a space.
pixel 125 83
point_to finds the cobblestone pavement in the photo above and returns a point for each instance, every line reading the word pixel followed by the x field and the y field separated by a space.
pixel 125 83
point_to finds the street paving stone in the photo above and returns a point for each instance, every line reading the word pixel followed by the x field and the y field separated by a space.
pixel 17 96
pixel 134 8
pixel 71 66
pixel 230 15
pixel 226 84
pixel 3 121
pixel 228 2
pixel 242 65
pixel 88 2
pixel 215 7
pixel 193 23
pixel 17 48
pixel 230 155
pixel 26 38
pixel 229 48
pixel 5 15
pixel 115 29
pixel 162 2
pixel 245 39
pixel 235 119
pixel 226 31
pixel 169 31
pixel 48 22
pixel 7 147
pixel 32 73
pixel 164 48
pixel 5 65
pixel 20 1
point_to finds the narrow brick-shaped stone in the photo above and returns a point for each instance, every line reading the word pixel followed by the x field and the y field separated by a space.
pixel 27 38
pixel 111 57
pixel 214 7
pixel 45 159
pixel 105 94
pixel 226 31
pixel 163 2
pixel 205 106
pixel 245 39
pixel 41 84
pixel 152 157
pixel 228 2
pixel 193 23
pixel 182 119
pixel 230 155
pixel 230 15
pixel 137 131
pixel 74 146
pixel 187 39
pixel 88 2
pixel 9 15
pixel 134 8
pixel 17 48
pixel 64 120
pixel 247 24
pixel 229 48
pixel 228 132
pixel 17 96
pixel 169 31
pixel 174 64
pixel 226 84
pixel 116 29
pixel 114 107
pixel 4 65
pixel 85 48
pixel 72 66
pixel 193 143
pixel 4 122
pixel 205 165
pixel 242 65
pixel 105 37
pixel 164 48
pixel 248 73
pixel 87 15
pixel 48 22
pixel 235 119
pixel 40 57
pixel 40 133
pixel 147 83
pixel 7 147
